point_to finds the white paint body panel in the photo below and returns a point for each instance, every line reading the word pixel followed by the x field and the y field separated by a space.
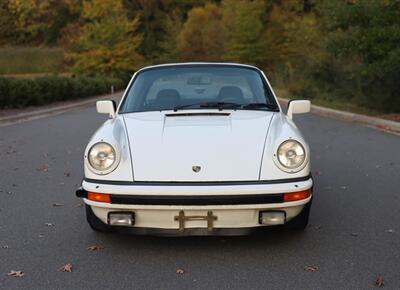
pixel 239 147
pixel 113 132
pixel 228 148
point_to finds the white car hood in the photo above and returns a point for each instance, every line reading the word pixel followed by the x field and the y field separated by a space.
pixel 166 145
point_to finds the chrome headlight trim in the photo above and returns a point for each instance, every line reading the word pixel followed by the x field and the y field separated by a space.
pixel 297 148
pixel 115 155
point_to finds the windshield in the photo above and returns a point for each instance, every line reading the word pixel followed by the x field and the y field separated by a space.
pixel 198 87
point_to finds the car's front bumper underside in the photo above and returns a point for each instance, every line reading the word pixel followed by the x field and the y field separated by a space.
pixel 195 208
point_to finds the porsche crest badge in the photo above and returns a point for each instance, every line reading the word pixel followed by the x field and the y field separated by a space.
pixel 196 168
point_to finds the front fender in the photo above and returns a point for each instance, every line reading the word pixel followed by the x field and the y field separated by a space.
pixel 281 129
pixel 112 131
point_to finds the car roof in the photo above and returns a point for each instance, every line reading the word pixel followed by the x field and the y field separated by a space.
pixel 183 64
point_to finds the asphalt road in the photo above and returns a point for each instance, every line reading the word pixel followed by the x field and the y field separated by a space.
pixel 354 234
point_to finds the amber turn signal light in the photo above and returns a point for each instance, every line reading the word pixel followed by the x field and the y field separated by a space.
pixel 297 195
pixel 99 197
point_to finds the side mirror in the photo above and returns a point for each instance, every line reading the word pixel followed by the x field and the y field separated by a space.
pixel 298 107
pixel 106 107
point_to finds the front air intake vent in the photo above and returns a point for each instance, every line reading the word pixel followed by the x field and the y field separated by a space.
pixel 197 114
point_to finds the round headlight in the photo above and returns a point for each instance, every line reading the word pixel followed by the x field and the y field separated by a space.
pixel 101 156
pixel 291 154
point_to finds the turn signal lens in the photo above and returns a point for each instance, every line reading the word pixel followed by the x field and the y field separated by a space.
pixel 99 197
pixel 297 195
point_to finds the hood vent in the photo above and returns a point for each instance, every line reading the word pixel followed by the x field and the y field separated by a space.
pixel 197 114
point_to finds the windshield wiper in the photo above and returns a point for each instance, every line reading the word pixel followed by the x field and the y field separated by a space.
pixel 218 105
pixel 260 106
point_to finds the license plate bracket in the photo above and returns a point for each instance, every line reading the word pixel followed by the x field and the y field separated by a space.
pixel 182 219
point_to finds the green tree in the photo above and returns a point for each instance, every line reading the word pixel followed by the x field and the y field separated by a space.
pixel 37 21
pixel 293 42
pixel 7 25
pixel 160 23
pixel 108 40
pixel 201 37
pixel 362 42
pixel 168 50
pixel 243 28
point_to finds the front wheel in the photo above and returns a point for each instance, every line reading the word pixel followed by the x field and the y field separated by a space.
pixel 300 222
pixel 94 222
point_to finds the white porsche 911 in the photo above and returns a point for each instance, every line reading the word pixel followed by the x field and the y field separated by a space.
pixel 197 149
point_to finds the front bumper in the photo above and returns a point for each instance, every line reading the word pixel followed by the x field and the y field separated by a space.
pixel 157 206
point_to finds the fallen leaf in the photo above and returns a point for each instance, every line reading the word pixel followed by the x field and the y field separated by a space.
pixel 180 271
pixel 95 248
pixel 311 268
pixel 57 204
pixel 16 273
pixel 379 282
pixel 43 168
pixel 66 268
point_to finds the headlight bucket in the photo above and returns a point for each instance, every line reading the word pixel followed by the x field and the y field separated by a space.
pixel 102 158
pixel 290 156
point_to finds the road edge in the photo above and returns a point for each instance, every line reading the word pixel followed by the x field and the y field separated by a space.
pixel 42 113
pixel 377 123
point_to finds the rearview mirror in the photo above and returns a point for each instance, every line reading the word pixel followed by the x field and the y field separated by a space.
pixel 106 107
pixel 298 107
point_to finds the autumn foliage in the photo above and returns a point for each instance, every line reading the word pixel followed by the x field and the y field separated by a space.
pixel 344 51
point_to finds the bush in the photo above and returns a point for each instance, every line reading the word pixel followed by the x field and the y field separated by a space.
pixel 18 93
pixel 360 64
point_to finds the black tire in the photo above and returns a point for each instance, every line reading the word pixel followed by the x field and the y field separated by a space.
pixel 300 222
pixel 95 223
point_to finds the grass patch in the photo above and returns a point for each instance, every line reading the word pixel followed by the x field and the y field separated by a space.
pixel 30 60
pixel 333 104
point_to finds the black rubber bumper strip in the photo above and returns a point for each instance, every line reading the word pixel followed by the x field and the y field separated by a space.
pixel 190 199
pixel 197 200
